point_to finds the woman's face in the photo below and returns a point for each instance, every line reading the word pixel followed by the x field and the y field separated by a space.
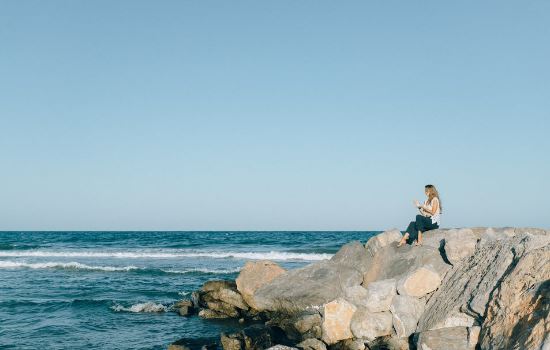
pixel 426 193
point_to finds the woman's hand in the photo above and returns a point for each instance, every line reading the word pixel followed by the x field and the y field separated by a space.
pixel 416 203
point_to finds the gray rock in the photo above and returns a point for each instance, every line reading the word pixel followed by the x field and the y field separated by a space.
pixel 214 285
pixel 224 308
pixel 518 316
pixel 469 286
pixel 230 297
pixel 314 285
pixel 309 323
pixel 382 240
pixel 212 314
pixel 455 338
pixel 380 295
pixel 406 312
pixel 357 295
pixel 370 325
pixel 312 344
pixel 459 245
pixel 281 347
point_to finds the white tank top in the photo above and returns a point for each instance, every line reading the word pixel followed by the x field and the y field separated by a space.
pixel 436 218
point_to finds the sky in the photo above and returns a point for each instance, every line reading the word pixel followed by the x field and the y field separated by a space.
pixel 272 115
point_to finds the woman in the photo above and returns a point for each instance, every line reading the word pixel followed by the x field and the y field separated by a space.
pixel 430 214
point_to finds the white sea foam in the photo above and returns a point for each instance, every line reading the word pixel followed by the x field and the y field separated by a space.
pixel 173 254
pixel 60 265
pixel 199 270
pixel 142 307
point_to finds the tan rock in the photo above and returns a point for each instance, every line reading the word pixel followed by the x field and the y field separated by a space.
pixel 230 297
pixel 306 323
pixel 419 282
pixel 337 320
pixel 212 314
pixel 223 308
pixel 254 275
pixel 230 343
pixel 371 325
pixel 455 338
pixel 213 285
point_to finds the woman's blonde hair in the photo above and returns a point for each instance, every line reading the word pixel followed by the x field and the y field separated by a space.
pixel 432 193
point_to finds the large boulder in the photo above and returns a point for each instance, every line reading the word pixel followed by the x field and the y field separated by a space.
pixel 314 285
pixel 380 295
pixel 371 325
pixel 255 274
pixel 406 312
pixel 312 344
pixel 337 320
pixel 459 245
pixel 470 285
pixel 419 282
pixel 518 316
pixel 374 244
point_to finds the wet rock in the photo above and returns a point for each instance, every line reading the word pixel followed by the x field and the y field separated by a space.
pixel 224 308
pixel 254 275
pixel 406 312
pixel 184 307
pixel 337 320
pixel 231 341
pixel 194 344
pixel 212 314
pixel 370 325
pixel 419 282
pixel 215 285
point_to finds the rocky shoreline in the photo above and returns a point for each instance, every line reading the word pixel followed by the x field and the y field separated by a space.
pixel 470 288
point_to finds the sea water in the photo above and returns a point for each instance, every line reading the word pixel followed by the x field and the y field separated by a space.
pixel 114 290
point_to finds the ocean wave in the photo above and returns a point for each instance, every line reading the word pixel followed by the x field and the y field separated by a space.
pixel 66 266
pixel 6 264
pixel 11 246
pixel 151 254
pixel 142 307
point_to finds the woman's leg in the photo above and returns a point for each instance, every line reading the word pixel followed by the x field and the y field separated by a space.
pixel 410 234
pixel 421 227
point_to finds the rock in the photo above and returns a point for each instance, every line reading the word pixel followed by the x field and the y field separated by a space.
pixel 518 316
pixel 473 336
pixel 459 245
pixel 309 323
pixel 336 321
pixel 184 307
pixel 230 297
pixel 281 347
pixel 312 344
pixel 389 343
pixel 357 295
pixel 456 319
pixel 230 342
pixel 380 295
pixel 351 344
pixel 185 311
pixel 393 262
pixel 194 344
pixel 312 286
pixel 212 314
pixel 455 338
pixel 223 308
pixel 254 275
pixel 469 286
pixel 374 244
pixel 370 325
pixel 214 285
pixel 419 282
pixel 406 312
pixel 183 302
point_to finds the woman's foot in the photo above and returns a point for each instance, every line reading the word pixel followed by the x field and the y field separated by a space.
pixel 418 244
pixel 402 241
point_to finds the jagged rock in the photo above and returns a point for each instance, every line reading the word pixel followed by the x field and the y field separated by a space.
pixel 518 316
pixel 380 295
pixel 214 285
pixel 255 337
pixel 194 344
pixel 230 297
pixel 230 342
pixel 254 275
pixel 455 338
pixel 468 287
pixel 393 262
pixel 406 312
pixel 336 321
pixel 419 282
pixel 314 285
pixel 212 314
pixel 184 307
pixel 389 343
pixel 357 295
pixel 370 325
pixel 281 347
pixel 350 344
pixel 459 244
pixel 309 324
pixel 456 319
pixel 374 244
pixel 312 344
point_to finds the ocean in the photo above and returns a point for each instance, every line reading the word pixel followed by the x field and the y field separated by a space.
pixel 114 290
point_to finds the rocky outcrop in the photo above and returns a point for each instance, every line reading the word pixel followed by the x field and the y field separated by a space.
pixel 464 288
pixel 312 286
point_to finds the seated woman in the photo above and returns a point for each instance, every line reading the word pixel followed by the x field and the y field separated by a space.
pixel 428 219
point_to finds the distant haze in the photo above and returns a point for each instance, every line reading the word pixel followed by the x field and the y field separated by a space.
pixel 272 115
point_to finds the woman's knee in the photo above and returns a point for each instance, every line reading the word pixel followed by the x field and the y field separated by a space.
pixel 419 218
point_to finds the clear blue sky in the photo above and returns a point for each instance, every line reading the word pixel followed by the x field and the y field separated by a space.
pixel 286 115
